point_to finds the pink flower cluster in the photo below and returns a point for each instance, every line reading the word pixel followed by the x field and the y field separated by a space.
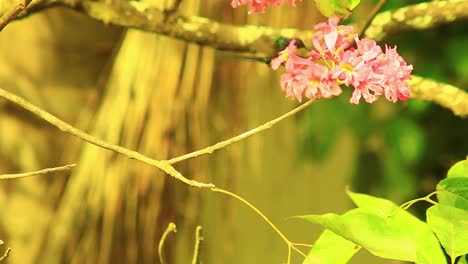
pixel 371 71
pixel 259 6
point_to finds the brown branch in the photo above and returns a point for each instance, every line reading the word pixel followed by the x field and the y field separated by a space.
pixel 416 17
pixel 13 13
pixel 443 94
pixel 36 173
pixel 63 126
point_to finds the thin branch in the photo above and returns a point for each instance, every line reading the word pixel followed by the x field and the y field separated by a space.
pixel 13 13
pixel 196 249
pixel 290 244
pixel 36 173
pixel 163 165
pixel 240 137
pixel 443 94
pixel 7 251
pixel 416 17
pixel 65 127
pixel 173 8
pixel 426 198
pixel 371 17
pixel 170 228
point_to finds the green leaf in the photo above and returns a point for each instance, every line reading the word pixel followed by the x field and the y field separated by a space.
pixel 421 232
pixel 339 8
pixel 453 192
pixel 392 236
pixel 460 169
pixel 326 248
pixel 362 200
pixel 451 227
pixel 463 260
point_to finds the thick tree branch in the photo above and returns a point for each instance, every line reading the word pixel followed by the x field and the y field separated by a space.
pixel 416 17
pixel 247 38
pixel 443 94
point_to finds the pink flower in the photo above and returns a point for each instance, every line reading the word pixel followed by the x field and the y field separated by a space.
pixel 312 81
pixel 331 39
pixel 259 6
pixel 284 55
pixel 366 68
pixel 394 72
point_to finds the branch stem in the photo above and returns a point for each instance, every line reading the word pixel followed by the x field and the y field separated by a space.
pixel 196 249
pixel 170 228
pixel 13 13
pixel 291 246
pixel 67 128
pixel 240 137
pixel 36 173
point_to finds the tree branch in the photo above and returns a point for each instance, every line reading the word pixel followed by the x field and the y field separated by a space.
pixel 35 173
pixel 225 143
pixel 163 165
pixel 170 228
pixel 248 38
pixel 443 94
pixel 7 251
pixel 13 13
pixel 196 249
pixel 416 17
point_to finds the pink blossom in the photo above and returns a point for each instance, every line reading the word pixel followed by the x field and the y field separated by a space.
pixel 284 55
pixel 311 80
pixel 260 6
pixel 331 39
pixel 393 72
pixel 334 62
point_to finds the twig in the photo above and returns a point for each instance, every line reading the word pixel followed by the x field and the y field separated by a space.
pixel 240 137
pixel 371 17
pixel 7 251
pixel 170 228
pixel 173 8
pixel 196 249
pixel 163 165
pixel 13 13
pixel 35 173
pixel 426 198
pixel 65 127
pixel 291 245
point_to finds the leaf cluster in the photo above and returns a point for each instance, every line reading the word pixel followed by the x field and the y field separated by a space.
pixel 389 231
